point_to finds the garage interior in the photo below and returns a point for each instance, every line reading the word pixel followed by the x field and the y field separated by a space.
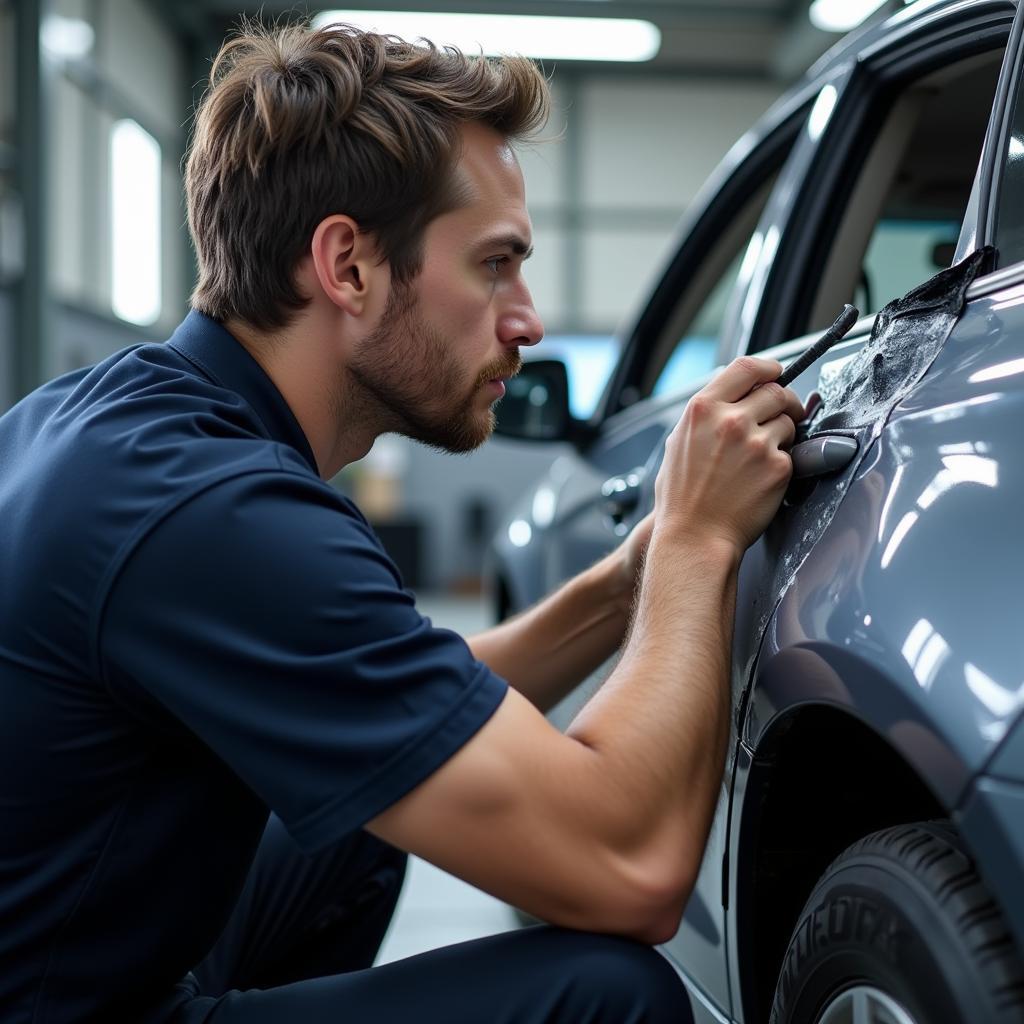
pixel 95 111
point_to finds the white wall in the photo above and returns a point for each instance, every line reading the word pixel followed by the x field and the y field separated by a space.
pixel 142 59
pixel 627 158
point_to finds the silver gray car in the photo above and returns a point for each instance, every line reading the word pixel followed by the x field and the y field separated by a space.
pixel 866 862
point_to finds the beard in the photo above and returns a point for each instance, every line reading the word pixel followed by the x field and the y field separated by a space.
pixel 411 374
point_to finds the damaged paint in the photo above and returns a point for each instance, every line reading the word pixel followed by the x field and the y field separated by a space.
pixel 904 342
pixel 858 394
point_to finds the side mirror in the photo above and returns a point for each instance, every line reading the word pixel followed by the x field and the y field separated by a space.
pixel 536 404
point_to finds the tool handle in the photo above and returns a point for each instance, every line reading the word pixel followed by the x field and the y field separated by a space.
pixel 835 333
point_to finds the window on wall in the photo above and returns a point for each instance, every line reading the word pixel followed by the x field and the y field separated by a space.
pixel 135 223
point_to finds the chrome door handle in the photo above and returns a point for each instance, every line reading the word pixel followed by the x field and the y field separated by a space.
pixel 826 453
pixel 621 494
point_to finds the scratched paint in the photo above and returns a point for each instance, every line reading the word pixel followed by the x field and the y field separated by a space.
pixel 857 398
pixel 904 342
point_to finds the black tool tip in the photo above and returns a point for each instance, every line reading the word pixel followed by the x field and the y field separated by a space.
pixel 849 316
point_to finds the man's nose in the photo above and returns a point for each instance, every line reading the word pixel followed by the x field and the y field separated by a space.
pixel 520 324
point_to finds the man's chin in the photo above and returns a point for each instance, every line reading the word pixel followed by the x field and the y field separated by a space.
pixel 458 437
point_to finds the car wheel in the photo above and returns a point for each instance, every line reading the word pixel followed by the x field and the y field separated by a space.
pixel 901 930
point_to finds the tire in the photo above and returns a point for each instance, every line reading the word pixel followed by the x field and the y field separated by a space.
pixel 900 929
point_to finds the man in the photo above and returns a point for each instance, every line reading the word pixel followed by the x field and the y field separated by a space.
pixel 196 630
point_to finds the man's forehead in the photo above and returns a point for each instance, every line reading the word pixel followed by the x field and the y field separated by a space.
pixel 488 164
pixel 482 141
pixel 490 189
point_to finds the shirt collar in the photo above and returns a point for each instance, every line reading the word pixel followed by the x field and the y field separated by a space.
pixel 213 350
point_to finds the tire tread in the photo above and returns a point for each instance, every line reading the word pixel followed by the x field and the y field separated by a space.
pixel 933 853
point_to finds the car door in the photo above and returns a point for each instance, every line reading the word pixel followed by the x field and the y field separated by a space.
pixel 888 205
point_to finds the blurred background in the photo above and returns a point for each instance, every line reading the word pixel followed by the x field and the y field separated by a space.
pixel 95 105
pixel 96 99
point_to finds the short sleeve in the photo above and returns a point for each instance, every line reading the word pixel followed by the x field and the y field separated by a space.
pixel 264 617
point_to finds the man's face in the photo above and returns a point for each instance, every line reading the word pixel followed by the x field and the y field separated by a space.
pixel 445 344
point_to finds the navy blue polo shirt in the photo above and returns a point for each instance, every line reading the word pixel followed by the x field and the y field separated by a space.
pixel 194 629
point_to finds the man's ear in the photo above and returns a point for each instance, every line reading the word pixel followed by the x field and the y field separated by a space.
pixel 345 262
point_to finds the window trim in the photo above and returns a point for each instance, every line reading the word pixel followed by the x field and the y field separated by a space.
pixel 993 162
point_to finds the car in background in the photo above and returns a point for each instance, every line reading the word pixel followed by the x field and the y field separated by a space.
pixel 866 860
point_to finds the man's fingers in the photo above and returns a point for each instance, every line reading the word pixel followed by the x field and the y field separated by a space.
pixel 769 400
pixel 741 376
pixel 782 431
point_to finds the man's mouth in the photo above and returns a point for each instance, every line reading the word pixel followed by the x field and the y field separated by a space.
pixel 498 380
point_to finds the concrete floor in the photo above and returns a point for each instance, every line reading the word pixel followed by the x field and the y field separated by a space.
pixel 436 909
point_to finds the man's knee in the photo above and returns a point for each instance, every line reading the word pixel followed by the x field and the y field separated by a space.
pixel 623 981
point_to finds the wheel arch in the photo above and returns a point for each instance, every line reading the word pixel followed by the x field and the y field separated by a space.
pixel 820 779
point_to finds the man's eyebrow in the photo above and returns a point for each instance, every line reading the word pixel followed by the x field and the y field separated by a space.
pixel 511 241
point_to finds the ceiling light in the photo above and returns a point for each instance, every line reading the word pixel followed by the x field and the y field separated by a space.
pixel 841 15
pixel 66 38
pixel 540 36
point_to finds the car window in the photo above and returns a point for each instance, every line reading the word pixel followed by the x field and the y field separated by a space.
pixel 1009 238
pixel 690 341
pixel 900 219
pixel 697 350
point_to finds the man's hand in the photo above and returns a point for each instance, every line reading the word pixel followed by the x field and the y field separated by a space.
pixel 726 463
pixel 603 828
pixel 694 430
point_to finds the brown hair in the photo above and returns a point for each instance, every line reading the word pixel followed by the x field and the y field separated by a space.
pixel 298 124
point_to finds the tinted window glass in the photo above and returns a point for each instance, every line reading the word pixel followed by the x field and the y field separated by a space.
pixel 899 222
pixel 1010 225
pixel 690 346
pixel 695 354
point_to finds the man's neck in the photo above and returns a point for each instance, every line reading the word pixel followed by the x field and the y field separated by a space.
pixel 329 413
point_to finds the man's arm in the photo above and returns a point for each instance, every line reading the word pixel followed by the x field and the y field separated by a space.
pixel 603 828
pixel 548 649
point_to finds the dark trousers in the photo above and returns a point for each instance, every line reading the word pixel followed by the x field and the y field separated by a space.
pixel 300 943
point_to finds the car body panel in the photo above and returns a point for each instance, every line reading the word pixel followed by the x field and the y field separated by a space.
pixel 923 524
pixel 993 816
pixel 1008 761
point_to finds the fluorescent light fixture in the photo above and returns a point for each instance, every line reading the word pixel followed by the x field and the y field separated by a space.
pixel 66 38
pixel 841 15
pixel 540 36
pixel 135 223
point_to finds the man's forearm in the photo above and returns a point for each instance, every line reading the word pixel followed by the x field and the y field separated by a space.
pixel 550 648
pixel 660 723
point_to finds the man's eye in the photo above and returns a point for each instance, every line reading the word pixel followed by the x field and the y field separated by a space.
pixel 496 263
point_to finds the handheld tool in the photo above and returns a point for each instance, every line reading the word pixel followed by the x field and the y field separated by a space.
pixel 836 332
